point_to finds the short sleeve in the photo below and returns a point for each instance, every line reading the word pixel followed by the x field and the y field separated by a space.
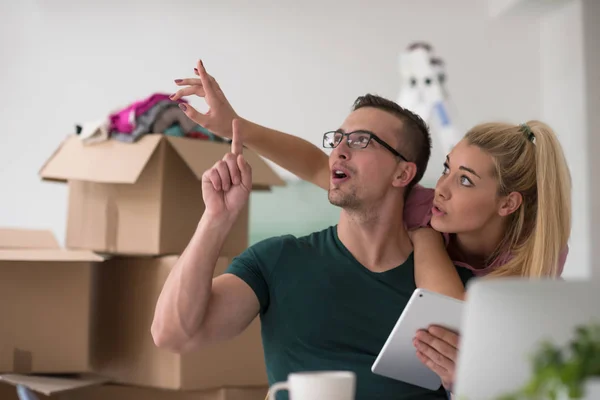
pixel 255 265
pixel 417 208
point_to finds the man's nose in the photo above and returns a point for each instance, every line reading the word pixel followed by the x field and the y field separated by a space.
pixel 343 150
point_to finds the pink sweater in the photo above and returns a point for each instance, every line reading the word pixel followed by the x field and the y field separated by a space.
pixel 417 213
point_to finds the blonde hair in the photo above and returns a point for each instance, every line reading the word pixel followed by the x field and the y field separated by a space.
pixel 529 159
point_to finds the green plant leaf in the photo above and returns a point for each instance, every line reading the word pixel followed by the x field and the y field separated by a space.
pixel 562 370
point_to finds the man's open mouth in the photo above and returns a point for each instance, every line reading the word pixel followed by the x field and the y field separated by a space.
pixel 338 174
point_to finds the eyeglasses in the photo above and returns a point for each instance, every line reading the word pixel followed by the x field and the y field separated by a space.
pixel 356 140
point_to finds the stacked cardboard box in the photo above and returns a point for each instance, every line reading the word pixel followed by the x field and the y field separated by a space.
pixel 87 309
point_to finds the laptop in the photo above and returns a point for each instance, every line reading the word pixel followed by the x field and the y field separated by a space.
pixel 503 322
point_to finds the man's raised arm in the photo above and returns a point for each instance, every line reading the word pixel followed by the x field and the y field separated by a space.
pixel 193 308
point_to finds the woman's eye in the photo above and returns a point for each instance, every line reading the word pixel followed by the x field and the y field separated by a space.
pixel 465 181
pixel 445 170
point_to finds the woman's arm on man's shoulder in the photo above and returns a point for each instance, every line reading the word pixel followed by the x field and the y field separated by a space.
pixel 433 268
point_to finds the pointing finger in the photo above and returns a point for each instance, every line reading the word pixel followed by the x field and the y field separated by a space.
pixel 236 142
pixel 234 170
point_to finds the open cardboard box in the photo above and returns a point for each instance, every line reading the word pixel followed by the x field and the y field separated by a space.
pixel 72 311
pixel 143 198
pixel 47 296
pixel 47 387
pixel 86 387
pixel 19 238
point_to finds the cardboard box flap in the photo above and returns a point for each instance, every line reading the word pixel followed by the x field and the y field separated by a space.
pixel 16 238
pixel 50 385
pixel 111 161
pixel 50 255
pixel 200 155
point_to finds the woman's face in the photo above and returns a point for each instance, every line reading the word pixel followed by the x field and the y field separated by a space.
pixel 466 195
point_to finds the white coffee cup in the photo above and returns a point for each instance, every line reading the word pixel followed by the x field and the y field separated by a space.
pixel 321 385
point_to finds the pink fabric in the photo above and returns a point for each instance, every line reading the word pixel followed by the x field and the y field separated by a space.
pixel 123 121
pixel 417 209
pixel 417 213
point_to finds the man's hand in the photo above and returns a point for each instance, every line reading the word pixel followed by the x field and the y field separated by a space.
pixel 218 119
pixel 437 348
pixel 226 186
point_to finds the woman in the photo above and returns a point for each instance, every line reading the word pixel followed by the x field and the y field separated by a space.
pixel 502 202
pixel 504 195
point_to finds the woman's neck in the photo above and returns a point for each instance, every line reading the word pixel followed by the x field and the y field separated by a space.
pixel 476 248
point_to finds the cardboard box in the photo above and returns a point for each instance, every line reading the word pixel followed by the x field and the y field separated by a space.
pixel 113 392
pixel 47 298
pixel 128 290
pixel 143 198
pixel 18 238
pixel 46 387
pixel 93 388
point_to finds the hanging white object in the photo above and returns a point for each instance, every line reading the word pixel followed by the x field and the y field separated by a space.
pixel 423 92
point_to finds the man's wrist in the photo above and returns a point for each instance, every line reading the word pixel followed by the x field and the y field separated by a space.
pixel 212 230
pixel 217 226
pixel 217 221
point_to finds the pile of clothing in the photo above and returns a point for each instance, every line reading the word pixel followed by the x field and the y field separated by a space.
pixel 154 114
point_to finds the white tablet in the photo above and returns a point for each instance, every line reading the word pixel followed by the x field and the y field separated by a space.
pixel 398 357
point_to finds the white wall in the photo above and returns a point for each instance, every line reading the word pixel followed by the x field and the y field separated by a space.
pixel 497 8
pixel 500 8
pixel 294 66
pixel 564 108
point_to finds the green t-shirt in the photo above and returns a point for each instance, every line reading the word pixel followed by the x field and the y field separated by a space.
pixel 321 309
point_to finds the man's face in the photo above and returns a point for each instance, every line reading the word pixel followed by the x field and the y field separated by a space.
pixel 361 177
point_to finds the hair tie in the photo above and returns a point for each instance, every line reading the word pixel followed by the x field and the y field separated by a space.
pixel 527 131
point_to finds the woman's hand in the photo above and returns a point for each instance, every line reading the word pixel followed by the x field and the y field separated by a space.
pixel 437 348
pixel 421 234
pixel 219 118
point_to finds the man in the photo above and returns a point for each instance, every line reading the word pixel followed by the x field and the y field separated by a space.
pixel 327 301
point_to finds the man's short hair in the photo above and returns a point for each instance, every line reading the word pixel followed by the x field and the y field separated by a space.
pixel 415 137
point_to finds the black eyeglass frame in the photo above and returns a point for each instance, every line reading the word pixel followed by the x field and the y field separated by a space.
pixel 372 136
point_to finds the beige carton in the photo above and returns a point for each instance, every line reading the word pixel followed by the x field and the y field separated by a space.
pixel 143 198
pixel 47 297
pixel 47 388
pixel 19 238
pixel 113 392
pixel 72 311
pixel 94 388
pixel 128 289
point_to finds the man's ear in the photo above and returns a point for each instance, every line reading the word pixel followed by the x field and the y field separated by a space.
pixel 405 173
pixel 510 203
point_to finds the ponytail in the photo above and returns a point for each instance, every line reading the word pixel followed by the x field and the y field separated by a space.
pixel 529 160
